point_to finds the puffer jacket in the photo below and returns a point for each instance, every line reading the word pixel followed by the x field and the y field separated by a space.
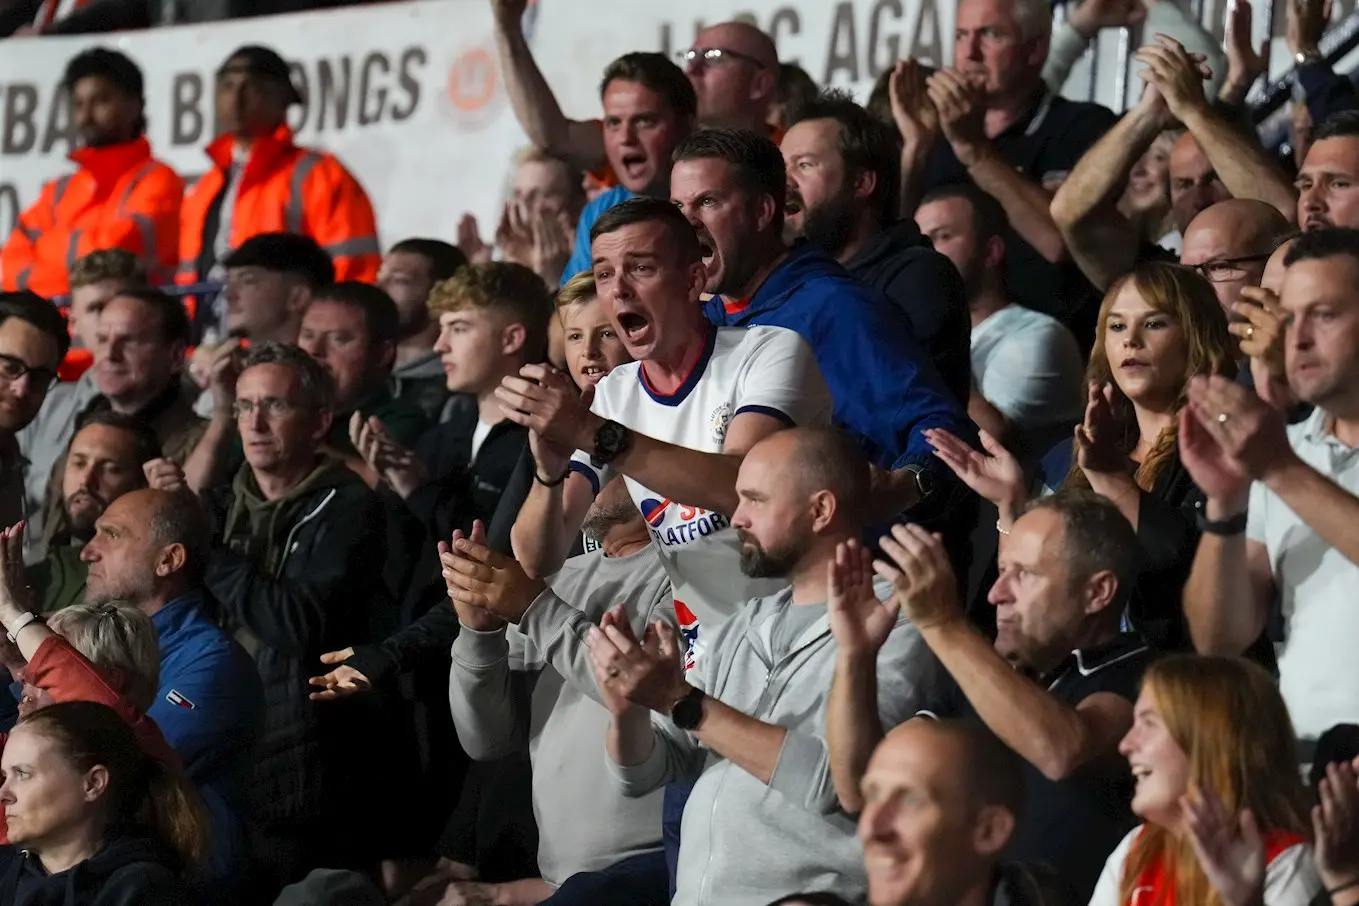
pixel 127 870
pixel 296 578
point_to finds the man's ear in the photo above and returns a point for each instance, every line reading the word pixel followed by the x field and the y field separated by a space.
pixel 385 356
pixel 172 559
pixel 865 184
pixel 995 824
pixel 299 297
pixel 512 339
pixel 995 251
pixel 1101 591
pixel 765 211
pixel 324 418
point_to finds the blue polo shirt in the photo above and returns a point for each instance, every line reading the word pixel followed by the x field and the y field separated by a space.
pixel 580 255
pixel 210 707
pixel 885 387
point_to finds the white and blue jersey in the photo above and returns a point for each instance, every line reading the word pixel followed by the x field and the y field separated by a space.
pixel 770 370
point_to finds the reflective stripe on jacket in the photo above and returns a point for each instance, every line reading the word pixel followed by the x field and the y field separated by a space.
pixel 284 189
pixel 120 197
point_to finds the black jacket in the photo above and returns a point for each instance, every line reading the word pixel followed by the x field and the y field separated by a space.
pixel 925 285
pixel 311 583
pixel 127 871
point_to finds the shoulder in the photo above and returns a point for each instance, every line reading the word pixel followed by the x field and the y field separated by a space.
pixel 1291 878
pixel 617 195
pixel 142 879
pixel 1081 113
pixel 162 174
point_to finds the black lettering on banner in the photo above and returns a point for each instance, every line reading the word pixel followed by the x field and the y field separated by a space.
pixel 927 43
pixel 21 132
pixel 186 115
pixel 785 23
pixel 332 91
pixel 413 61
pixel 374 61
pixel 879 62
pixel 842 58
pixel 747 18
pixel 9 208
pixel 59 126
pixel 300 113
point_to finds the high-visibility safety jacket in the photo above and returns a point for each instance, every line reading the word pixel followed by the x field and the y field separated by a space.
pixel 284 188
pixel 120 197
pixel 53 11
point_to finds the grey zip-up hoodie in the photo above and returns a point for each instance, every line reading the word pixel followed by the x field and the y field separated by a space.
pixel 586 823
pixel 745 843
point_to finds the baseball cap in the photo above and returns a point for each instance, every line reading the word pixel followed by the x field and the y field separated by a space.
pixel 262 61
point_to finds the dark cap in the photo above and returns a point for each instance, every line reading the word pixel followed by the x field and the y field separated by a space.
pixel 285 253
pixel 262 61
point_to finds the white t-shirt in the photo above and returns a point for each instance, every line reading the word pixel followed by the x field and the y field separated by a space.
pixel 770 370
pixel 1028 366
pixel 479 435
pixel 1290 880
pixel 1318 672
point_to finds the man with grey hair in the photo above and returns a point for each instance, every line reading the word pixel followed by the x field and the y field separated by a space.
pixel 296 563
pixel 1057 686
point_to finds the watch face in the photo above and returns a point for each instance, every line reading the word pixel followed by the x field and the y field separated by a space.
pixel 924 482
pixel 688 712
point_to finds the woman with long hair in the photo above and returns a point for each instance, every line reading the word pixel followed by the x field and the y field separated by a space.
pixel 92 818
pixel 1159 325
pixel 1224 809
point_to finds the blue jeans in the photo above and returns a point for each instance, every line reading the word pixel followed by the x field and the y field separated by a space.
pixel 636 881
pixel 672 813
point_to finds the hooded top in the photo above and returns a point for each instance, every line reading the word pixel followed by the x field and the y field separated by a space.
pixel 128 870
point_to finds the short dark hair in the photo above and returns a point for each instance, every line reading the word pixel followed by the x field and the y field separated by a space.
pixel 285 253
pixel 1096 536
pixel 179 519
pixel 795 89
pixel 992 772
pixel 866 144
pixel 33 308
pixel 1342 124
pixel 654 72
pixel 756 161
pixel 827 458
pixel 988 217
pixel 444 259
pixel 118 69
pixel 644 210
pixel 108 264
pixel 170 313
pixel 146 445
pixel 317 385
pixel 379 311
pixel 817 898
pixel 1327 242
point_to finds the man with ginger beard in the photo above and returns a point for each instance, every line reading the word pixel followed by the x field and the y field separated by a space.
pixel 103 463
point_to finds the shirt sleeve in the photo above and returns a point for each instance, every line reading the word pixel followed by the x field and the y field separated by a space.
pixel 781 378
pixel 1257 517
pixel 1292 879
pixel 216 710
pixel 1107 888
pixel 598 476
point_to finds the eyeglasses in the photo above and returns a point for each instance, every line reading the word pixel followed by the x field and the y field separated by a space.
pixel 1219 270
pixel 12 368
pixel 715 56
pixel 272 407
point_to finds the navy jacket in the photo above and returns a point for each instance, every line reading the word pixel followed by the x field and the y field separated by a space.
pixel 885 387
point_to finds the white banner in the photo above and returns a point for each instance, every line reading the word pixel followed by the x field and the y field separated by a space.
pixel 409 95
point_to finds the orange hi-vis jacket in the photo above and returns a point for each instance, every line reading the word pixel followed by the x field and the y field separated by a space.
pixel 120 197
pixel 283 189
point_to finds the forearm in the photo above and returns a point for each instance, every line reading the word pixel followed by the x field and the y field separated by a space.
pixel 1120 490
pixel 750 744
pixel 1218 589
pixel 1328 509
pixel 630 737
pixel 483 706
pixel 892 492
pixel 1243 166
pixel 1025 202
pixel 540 538
pixel 1046 733
pixel 914 160
pixel 853 728
pixel 1065 49
pixel 705 480
pixel 1098 179
pixel 988 417
pixel 202 468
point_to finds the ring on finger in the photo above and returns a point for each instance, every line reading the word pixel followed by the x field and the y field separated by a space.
pixel 613 671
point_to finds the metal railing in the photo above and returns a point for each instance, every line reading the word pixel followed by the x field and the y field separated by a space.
pixel 1338 42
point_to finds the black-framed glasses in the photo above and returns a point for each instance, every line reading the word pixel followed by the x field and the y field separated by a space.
pixel 715 56
pixel 12 368
pixel 1216 270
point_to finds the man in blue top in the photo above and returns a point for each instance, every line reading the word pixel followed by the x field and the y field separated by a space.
pixel 148 550
pixel 732 186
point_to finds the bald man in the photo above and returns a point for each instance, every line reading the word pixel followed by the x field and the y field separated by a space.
pixel 951 769
pixel 1229 242
pixel 733 67
pixel 1194 184
pixel 753 720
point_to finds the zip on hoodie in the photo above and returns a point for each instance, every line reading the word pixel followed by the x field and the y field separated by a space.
pixel 288 543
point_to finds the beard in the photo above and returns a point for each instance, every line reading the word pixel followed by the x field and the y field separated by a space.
pixel 758 562
pixel 603 518
pixel 81 522
pixel 831 223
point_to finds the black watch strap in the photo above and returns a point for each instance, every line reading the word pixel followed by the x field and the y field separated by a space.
pixel 1232 525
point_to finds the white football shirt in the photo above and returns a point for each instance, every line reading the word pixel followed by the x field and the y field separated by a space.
pixel 770 370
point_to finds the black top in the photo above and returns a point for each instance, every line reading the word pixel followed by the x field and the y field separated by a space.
pixel 1074 824
pixel 126 869
pixel 1044 144
pixel 900 262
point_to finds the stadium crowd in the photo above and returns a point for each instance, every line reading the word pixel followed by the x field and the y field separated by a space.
pixel 940 501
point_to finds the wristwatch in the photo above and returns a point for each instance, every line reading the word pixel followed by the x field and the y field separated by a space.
pixel 19 624
pixel 611 441
pixel 1303 57
pixel 687 713
pixel 1233 525
pixel 924 481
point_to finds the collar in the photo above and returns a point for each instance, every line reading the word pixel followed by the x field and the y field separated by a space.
pixel 1319 428
pixel 154 408
pixel 110 163
pixel 266 148
pixel 176 610
pixel 1039 105
pixel 1091 660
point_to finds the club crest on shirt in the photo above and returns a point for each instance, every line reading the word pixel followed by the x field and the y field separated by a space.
pixel 719 420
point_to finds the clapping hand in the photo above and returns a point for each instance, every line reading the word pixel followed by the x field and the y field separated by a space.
pixel 1231 853
pixel 915 115
pixel 648 672
pixel 1244 63
pixel 397 464
pixel 995 475
pixel 858 620
pixel 1335 828
pixel 164 475
pixel 1096 437
pixel 479 577
pixel 16 598
pixel 341 682
pixel 1176 73
pixel 960 99
pixel 545 400
pixel 922 578
pixel 1229 436
pixel 475 618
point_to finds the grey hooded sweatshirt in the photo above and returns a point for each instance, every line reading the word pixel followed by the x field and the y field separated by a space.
pixel 745 843
pixel 585 823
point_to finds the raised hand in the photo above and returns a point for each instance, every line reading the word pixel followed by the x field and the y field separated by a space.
pixel 508 11
pixel 514 236
pixel 552 241
pixel 479 577
pixel 545 400
pixel 1176 73
pixel 922 578
pixel 1307 21
pixel 1335 828
pixel 858 620
pixel 995 475
pixel 1230 852
pixel 915 115
pixel 1247 429
pixel 470 242
pixel 223 367
pixel 341 682
pixel 961 102
pixel 1263 330
pixel 1090 16
pixel 1214 471
pixel 474 618
pixel 649 672
pixel 398 465
pixel 1096 437
pixel 164 475
pixel 1244 63
pixel 15 596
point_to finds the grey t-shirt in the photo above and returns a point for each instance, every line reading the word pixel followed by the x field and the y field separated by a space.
pixel 789 626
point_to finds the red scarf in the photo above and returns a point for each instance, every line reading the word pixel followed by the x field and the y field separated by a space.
pixel 1156 885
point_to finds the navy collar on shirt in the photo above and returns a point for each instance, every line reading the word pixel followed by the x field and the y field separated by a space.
pixel 690 380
